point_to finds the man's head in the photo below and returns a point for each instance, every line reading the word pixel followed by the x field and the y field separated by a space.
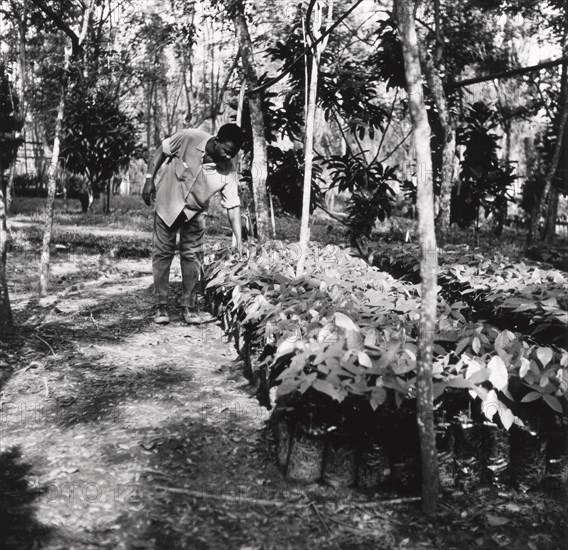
pixel 228 142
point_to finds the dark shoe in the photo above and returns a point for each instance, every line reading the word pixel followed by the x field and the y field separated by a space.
pixel 194 317
pixel 161 315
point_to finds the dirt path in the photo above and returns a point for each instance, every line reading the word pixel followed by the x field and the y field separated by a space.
pixel 131 435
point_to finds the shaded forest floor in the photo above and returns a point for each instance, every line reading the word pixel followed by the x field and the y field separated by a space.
pixel 120 434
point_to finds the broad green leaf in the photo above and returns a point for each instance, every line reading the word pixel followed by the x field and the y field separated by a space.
pixel 534 368
pixel 388 357
pixel 458 382
pixel 403 366
pixel 525 307
pixel 502 341
pixel 479 376
pixel 286 347
pixel 506 415
pixel 525 367
pixel 398 397
pixel 371 338
pixel 307 381
pixel 410 350
pixel 553 403
pixel 544 355
pixel 216 281
pixel 364 359
pixel 473 367
pixel 476 345
pixel 288 386
pixel 490 405
pixel 439 388
pixel 462 344
pixel 498 374
pixel 345 322
pixel 326 387
pixel 378 397
pixel 532 396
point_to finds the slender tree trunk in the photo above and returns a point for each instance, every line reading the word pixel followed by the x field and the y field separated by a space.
pixel 308 164
pixel 186 87
pixel 157 117
pixel 238 121
pixel 222 90
pixel 241 104
pixel 259 168
pixel 540 202
pixel 549 232
pixel 449 143
pixel 551 214
pixel 108 196
pixel 52 171
pixel 543 197
pixel 405 14
pixel 213 88
pixel 6 321
pixel 149 95
pixel 10 187
pixel 22 26
pixel 50 203
pixel 310 114
pixel 500 200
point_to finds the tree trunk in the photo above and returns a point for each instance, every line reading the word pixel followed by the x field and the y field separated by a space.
pixel 259 168
pixel 9 195
pixel 500 200
pixel 310 115
pixel 551 215
pixel 405 15
pixel 9 191
pixel 52 171
pixel 540 202
pixel 449 144
pixel 50 203
pixel 149 94
pixel 544 196
pixel 308 164
pixel 6 321
pixel 108 196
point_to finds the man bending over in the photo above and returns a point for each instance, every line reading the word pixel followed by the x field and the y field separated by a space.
pixel 197 165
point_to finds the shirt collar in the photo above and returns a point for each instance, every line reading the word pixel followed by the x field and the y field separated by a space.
pixel 201 145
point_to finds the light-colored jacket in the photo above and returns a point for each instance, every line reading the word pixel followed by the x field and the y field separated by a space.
pixel 186 184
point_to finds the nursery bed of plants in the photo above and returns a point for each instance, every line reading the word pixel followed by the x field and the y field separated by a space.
pixel 530 299
pixel 334 354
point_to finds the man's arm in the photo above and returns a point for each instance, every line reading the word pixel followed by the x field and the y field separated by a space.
pixel 234 215
pixel 149 189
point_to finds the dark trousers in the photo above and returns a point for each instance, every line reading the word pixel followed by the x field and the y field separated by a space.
pixel 191 234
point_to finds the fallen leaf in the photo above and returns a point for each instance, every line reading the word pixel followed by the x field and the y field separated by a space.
pixel 496 521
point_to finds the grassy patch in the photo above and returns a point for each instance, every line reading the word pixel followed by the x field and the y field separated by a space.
pixel 127 213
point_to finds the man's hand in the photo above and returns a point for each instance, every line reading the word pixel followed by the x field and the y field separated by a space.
pixel 149 191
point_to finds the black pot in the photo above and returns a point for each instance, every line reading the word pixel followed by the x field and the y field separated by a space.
pixel 373 466
pixel 305 457
pixel 339 465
